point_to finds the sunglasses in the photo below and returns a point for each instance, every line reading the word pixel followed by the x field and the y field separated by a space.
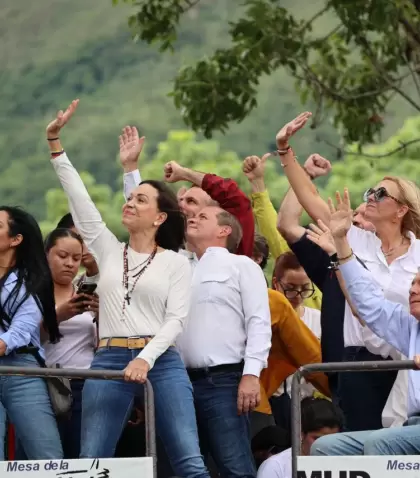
pixel 378 195
pixel 292 293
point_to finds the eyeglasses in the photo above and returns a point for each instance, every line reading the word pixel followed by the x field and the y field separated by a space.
pixel 292 293
pixel 378 195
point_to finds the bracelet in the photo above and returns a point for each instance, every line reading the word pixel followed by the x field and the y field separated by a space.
pixel 342 259
pixel 334 262
pixel 53 139
pixel 285 165
pixel 57 153
pixel 283 152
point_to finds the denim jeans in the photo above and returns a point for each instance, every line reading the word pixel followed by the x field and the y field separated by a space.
pixel 106 407
pixel 387 441
pixel 223 433
pixel 27 403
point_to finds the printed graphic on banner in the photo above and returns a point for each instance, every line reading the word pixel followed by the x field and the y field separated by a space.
pixel 358 466
pixel 103 468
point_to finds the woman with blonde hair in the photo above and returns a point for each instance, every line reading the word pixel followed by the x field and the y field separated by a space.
pixel 391 253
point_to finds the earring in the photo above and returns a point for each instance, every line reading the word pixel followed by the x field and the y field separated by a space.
pixel 155 223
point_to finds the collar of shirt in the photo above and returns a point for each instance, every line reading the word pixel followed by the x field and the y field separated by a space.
pixel 216 250
pixel 409 255
pixel 191 256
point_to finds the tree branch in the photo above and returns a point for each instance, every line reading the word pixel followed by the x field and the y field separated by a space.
pixel 380 70
pixel 341 152
pixel 317 15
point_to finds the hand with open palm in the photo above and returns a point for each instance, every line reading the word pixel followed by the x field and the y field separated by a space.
pixel 288 130
pixel 341 215
pixel 131 146
pixel 62 118
pixel 321 235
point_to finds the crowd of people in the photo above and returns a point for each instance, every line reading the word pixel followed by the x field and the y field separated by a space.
pixel 185 304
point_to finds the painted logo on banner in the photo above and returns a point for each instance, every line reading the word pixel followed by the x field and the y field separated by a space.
pixel 358 466
pixel 103 468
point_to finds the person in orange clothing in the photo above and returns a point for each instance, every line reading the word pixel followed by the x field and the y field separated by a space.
pixel 293 345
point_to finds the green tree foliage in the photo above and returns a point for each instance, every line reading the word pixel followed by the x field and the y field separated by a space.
pixel 108 203
pixel 348 71
pixel 358 173
pixel 207 156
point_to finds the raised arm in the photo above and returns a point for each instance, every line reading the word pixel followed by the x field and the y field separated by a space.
pixel 389 320
pixel 87 218
pixel 131 146
pixel 300 182
pixel 226 193
pixel 288 221
pixel 262 207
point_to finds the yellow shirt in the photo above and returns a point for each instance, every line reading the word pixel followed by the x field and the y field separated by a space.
pixel 292 346
pixel 266 218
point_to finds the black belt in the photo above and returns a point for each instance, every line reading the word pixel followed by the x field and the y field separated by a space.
pixel 199 373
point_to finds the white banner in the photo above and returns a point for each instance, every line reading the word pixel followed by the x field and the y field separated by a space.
pixel 359 466
pixel 102 468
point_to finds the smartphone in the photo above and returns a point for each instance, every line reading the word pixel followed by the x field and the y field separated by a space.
pixel 87 289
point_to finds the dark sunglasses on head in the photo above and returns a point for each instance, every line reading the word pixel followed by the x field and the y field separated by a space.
pixel 378 194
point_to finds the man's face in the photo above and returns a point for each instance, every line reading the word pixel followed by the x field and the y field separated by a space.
pixel 359 219
pixel 204 226
pixel 309 438
pixel 414 297
pixel 193 201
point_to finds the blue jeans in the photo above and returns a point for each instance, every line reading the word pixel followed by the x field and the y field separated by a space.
pixel 27 403
pixel 223 433
pixel 106 407
pixel 387 441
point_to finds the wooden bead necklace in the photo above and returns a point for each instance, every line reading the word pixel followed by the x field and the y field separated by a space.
pixel 136 277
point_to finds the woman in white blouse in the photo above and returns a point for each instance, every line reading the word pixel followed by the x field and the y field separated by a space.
pixel 75 314
pixel 144 300
pixel 391 253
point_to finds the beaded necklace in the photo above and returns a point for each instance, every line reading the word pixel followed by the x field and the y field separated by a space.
pixel 136 277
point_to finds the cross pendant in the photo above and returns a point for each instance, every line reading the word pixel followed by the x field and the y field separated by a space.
pixel 127 298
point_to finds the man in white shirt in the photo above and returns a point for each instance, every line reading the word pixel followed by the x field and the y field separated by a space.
pixel 226 340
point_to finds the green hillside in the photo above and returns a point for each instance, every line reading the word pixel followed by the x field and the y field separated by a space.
pixel 55 50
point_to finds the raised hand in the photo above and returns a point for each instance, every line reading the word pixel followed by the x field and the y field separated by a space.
pixel 341 215
pixel 131 146
pixel 173 172
pixel 62 118
pixel 253 167
pixel 317 166
pixel 288 130
pixel 322 236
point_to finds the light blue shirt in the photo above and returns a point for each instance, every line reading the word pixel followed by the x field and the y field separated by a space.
pixel 389 320
pixel 26 322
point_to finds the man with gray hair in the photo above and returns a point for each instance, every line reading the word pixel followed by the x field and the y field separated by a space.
pixel 226 340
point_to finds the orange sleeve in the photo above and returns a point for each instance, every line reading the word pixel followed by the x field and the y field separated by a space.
pixel 293 345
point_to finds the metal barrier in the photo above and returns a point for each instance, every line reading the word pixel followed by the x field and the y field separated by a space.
pixel 149 405
pixel 381 366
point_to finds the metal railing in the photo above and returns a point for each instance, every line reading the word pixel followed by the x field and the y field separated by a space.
pixel 149 405
pixel 380 366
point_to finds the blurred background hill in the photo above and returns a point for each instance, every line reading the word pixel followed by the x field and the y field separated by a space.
pixel 55 50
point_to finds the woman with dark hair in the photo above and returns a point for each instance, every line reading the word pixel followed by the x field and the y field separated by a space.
pixel 75 313
pixel 26 300
pixel 144 300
